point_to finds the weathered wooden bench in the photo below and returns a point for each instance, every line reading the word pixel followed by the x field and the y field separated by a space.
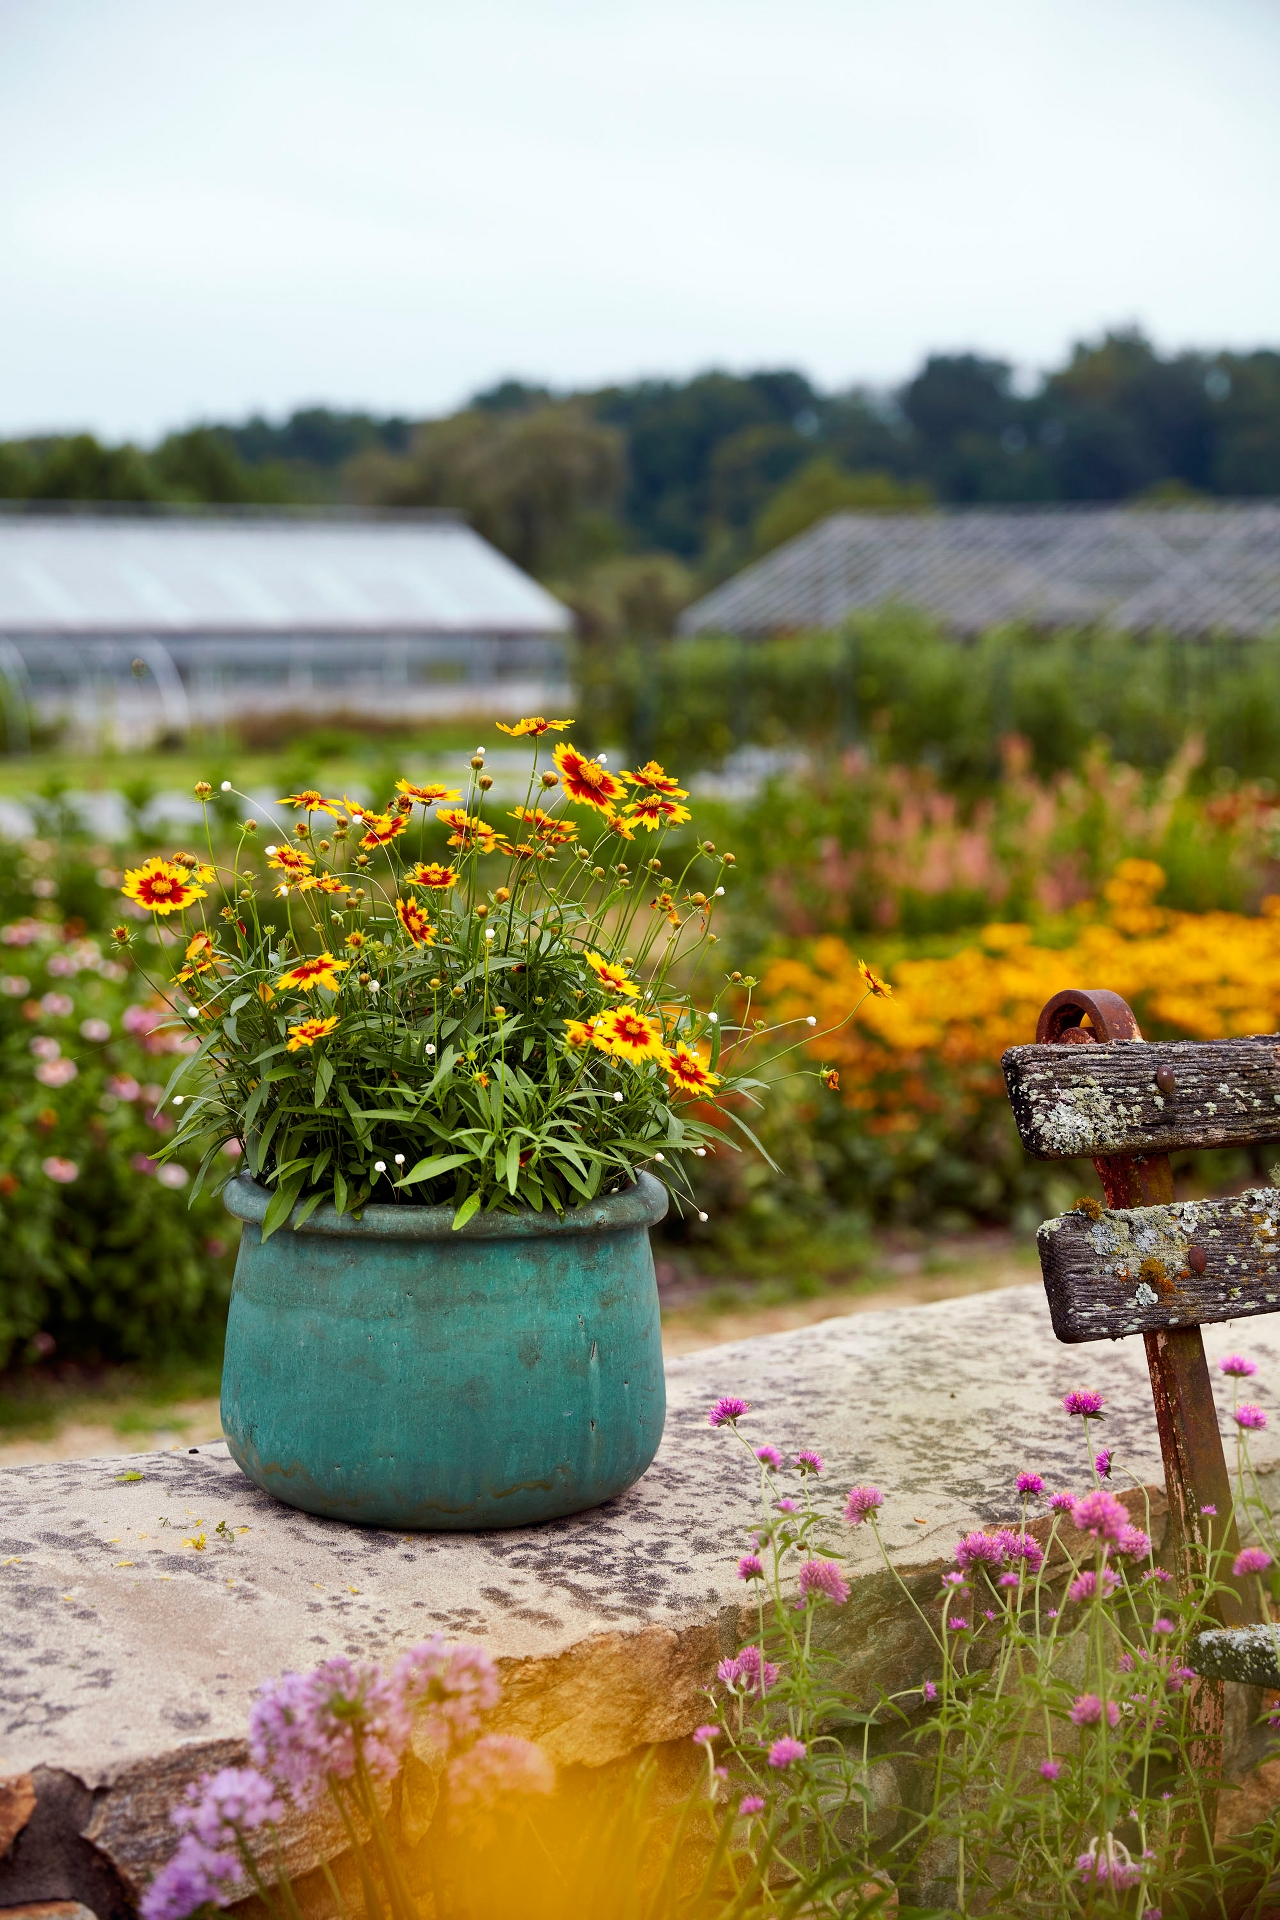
pixel 1092 1087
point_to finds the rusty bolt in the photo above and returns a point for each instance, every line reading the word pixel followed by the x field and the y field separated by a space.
pixel 1166 1080
pixel 1197 1259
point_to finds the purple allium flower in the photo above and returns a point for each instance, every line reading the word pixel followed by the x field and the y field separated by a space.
pixel 759 1673
pixel 1087 1711
pixel 703 1736
pixel 236 1799
pixel 958 1624
pixel 784 1751
pixel 751 1567
pixel 769 1456
pixel 1087 1585
pixel 1102 1463
pixel 930 1693
pixel 1210 1510
pixel 1251 1560
pixel 787 1506
pixel 1083 1401
pixel 455 1686
pixel 727 1409
pixel 1100 1514
pixel 1050 1769
pixel 862 1501
pixel 1010 1580
pixel 978 1548
pixel 1062 1502
pixel 1030 1483
pixel 191 1879
pixel 825 1577
pixel 1162 1625
pixel 751 1803
pixel 304 1728
pixel 1249 1414
pixel 1235 1363
pixel 496 1765
pixel 808 1461
pixel 1133 1543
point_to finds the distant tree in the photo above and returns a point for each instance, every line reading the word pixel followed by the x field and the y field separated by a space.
pixel 1244 399
pixel 511 396
pixel 1130 419
pixel 202 464
pixel 822 488
pixel 631 596
pixel 81 468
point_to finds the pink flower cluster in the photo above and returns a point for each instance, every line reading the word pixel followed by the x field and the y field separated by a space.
pixel 1088 1584
pixel 495 1765
pixel 822 1577
pixel 749 1672
pixel 1083 1401
pixel 1088 1710
pixel 727 1410
pixel 861 1503
pixel 1250 1415
pixel 1251 1560
pixel 1238 1366
pixel 1100 1514
pixel 1000 1548
pixel 212 1817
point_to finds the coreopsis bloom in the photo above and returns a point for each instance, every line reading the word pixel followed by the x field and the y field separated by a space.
pixel 611 976
pixel 586 781
pixel 621 826
pixel 687 1072
pixel 309 798
pixel 415 923
pixel 873 983
pixel 430 873
pixel 628 1035
pixel 1236 1365
pixel 289 859
pixel 579 1033
pixel 382 828
pixel 536 726
pixel 469 830
pixel 328 883
pixel 552 829
pixel 654 810
pixel 655 779
pixel 196 868
pixel 201 956
pixel 161 885
pixel 429 796
pixel 665 903
pixel 323 971
pixel 307 1032
pixel 727 1409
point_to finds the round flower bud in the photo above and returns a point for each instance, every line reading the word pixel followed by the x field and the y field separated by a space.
pixel 708 846
pixel 364 979
pixel 729 859
pixel 379 1166
pixel 226 786
pixel 482 911
pixel 477 760
pixel 251 826
pixel 502 895
pixel 485 782
pixel 550 779
pixel 203 789
pixel 362 859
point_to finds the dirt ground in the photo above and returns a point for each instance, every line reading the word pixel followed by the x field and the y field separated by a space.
pixel 697 1312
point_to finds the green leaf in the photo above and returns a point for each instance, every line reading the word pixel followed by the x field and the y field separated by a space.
pixel 469 1206
pixel 341 1193
pixel 129 1476
pixel 280 1205
pixel 307 1208
pixel 513 1165
pixel 324 1078
pixel 717 1034
pixel 429 1168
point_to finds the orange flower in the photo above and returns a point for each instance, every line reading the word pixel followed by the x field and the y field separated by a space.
pixel 537 725
pixel 307 1032
pixel 586 781
pixel 382 829
pixel 621 825
pixel 427 796
pixel 656 780
pixel 830 1078
pixel 612 978
pixel 579 1033
pixel 265 993
pixel 653 810
pixel 287 859
pixel 415 923
pixel 310 798
pixel 330 883
pixel 201 956
pixel 629 1035
pixel 688 1072
pixel 162 886
pixel 323 971
pixel 469 830
pixel 873 983
pixel 430 873
pixel 552 828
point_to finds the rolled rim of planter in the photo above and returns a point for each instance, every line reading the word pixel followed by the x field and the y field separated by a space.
pixel 640 1205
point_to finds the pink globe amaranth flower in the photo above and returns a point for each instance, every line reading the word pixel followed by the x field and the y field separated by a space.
pixel 1237 1365
pixel 727 1409
pixel 447 1689
pixel 1083 1401
pixel 1109 1863
pixel 1050 1769
pixel 979 1548
pixel 1021 1546
pixel 1100 1514
pixel 930 1692
pixel 751 1567
pixel 1030 1483
pixel 1062 1502
pixel 1102 1463
pixel 1158 1573
pixel 728 1672
pixel 1087 1585
pixel 769 1456
pixel 304 1728
pixel 957 1623
pixel 783 1752
pixel 1133 1543
pixel 703 1736
pixel 1247 1414
pixel 955 1580
pixel 1251 1560
pixel 497 1765
pixel 1210 1510
pixel 823 1577
pixel 1162 1625
pixel 862 1502
pixel 760 1674
pixel 787 1506
pixel 1010 1580
pixel 1088 1709
pixel 808 1461
pixel 751 1803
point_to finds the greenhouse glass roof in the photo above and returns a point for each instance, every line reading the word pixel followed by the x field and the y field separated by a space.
pixel 1178 570
pixel 104 574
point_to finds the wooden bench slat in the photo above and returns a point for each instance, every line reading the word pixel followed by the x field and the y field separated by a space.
pixel 1077 1102
pixel 1127 1271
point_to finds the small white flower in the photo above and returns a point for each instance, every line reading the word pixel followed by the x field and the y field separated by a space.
pixel 659 1156
pixel 488 933
pixel 719 891
pixel 603 759
pixel 379 1166
pixel 358 818
pixel 431 1046
pixel 399 1159
pixel 178 1099
pixel 702 1216
pixel 618 1098
pixel 226 786
pixel 714 1018
pixel 811 1020
pixel 271 852
pixel 374 985
pixel 701 1152
pixel 191 1013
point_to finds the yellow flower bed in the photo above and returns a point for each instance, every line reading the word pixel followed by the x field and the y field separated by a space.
pixel 1187 976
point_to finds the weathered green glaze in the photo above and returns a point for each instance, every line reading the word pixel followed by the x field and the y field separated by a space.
pixel 389 1371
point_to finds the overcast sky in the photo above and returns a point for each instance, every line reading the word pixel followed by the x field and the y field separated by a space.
pixel 208 210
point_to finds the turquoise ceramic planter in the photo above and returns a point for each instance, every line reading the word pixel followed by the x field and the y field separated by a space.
pixel 392 1372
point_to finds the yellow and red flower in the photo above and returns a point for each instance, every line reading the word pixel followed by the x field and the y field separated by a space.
pixel 427 796
pixel 830 1078
pixel 307 1032
pixel 415 923
pixel 629 1035
pixel 688 1072
pixel 290 859
pixel 430 873
pixel 665 903
pixel 309 798
pixel 382 828
pixel 196 868
pixel 579 1033
pixel 655 779
pixel 654 810
pixel 201 956
pixel 535 726
pixel 470 831
pixel 612 977
pixel 330 883
pixel 323 971
pixel 586 781
pixel 551 828
pixel 161 885
pixel 873 983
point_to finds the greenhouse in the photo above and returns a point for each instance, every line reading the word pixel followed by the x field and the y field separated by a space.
pixel 130 627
